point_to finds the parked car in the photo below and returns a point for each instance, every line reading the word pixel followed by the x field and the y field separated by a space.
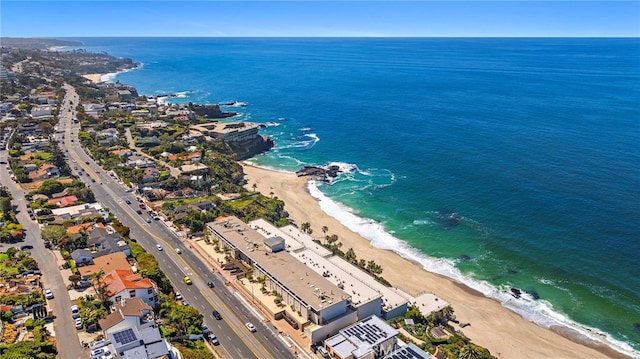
pixel 250 326
pixel 48 293
pixel 75 311
pixel 178 296
pixel 100 352
pixel 78 323
pixel 213 339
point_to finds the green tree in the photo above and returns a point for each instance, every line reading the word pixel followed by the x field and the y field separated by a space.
pixel 53 232
pixel 350 256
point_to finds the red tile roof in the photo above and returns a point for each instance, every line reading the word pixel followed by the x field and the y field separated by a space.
pixel 122 279
pixel 64 201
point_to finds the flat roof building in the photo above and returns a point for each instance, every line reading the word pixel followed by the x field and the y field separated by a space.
pixel 307 292
pixel 369 338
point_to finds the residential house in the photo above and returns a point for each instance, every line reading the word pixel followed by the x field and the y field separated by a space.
pixel 370 338
pixel 120 284
pixel 45 171
pixel 122 152
pixel 82 255
pixel 105 264
pixel 140 162
pixel 93 109
pixel 39 111
pixel 101 242
pixel 127 312
pixel 132 332
pixel 150 174
pixel 64 201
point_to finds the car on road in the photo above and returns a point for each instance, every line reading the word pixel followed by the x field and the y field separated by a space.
pixel 213 339
pixel 148 220
pixel 26 246
pixel 128 202
pixel 142 206
pixel 187 280
pixel 75 312
pixel 139 212
pixel 178 250
pixel 78 323
pixel 216 315
pixel 251 327
pixel 159 247
pixel 48 293
pixel 185 303
pixel 87 162
pixel 210 284
pixel 178 296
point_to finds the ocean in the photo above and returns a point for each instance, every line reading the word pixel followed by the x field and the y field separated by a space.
pixel 497 162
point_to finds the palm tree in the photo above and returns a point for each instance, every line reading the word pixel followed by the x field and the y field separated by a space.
pixel 96 282
pixel 305 226
pixel 470 351
pixel 254 186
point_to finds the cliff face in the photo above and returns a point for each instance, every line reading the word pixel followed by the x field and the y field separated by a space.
pixel 210 111
pixel 250 148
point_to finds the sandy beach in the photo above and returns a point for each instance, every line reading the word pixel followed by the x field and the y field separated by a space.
pixel 95 78
pixel 504 333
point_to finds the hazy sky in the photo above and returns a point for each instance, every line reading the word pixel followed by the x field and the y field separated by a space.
pixel 320 18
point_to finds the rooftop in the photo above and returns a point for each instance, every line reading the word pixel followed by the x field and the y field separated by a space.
pixel 313 289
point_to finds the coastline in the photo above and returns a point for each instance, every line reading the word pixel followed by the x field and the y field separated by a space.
pixel 503 332
pixel 94 78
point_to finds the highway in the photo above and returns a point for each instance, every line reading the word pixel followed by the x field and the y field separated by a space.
pixel 69 346
pixel 235 339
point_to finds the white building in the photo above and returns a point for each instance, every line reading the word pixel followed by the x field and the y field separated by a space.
pixel 121 284
pixel 39 111
pixel 321 303
pixel 371 338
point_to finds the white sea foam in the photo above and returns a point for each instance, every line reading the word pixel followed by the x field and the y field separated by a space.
pixel 271 124
pixel 309 142
pixel 538 311
pixel 110 77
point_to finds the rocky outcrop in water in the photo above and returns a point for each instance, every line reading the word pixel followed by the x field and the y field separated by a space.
pixel 324 174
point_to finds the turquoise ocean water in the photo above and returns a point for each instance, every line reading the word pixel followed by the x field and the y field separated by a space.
pixel 497 162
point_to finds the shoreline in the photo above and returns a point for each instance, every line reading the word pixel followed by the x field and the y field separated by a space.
pixel 505 333
pixel 94 78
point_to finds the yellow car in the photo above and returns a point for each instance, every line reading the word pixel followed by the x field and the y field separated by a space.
pixel 187 279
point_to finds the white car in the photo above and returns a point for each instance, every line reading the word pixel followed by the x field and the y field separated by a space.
pixel 178 250
pixel 97 353
pixel 159 247
pixel 178 296
pixel 48 293
pixel 78 323
pixel 251 327
pixel 75 311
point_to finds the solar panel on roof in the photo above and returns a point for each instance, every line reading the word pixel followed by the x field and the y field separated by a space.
pixel 125 337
